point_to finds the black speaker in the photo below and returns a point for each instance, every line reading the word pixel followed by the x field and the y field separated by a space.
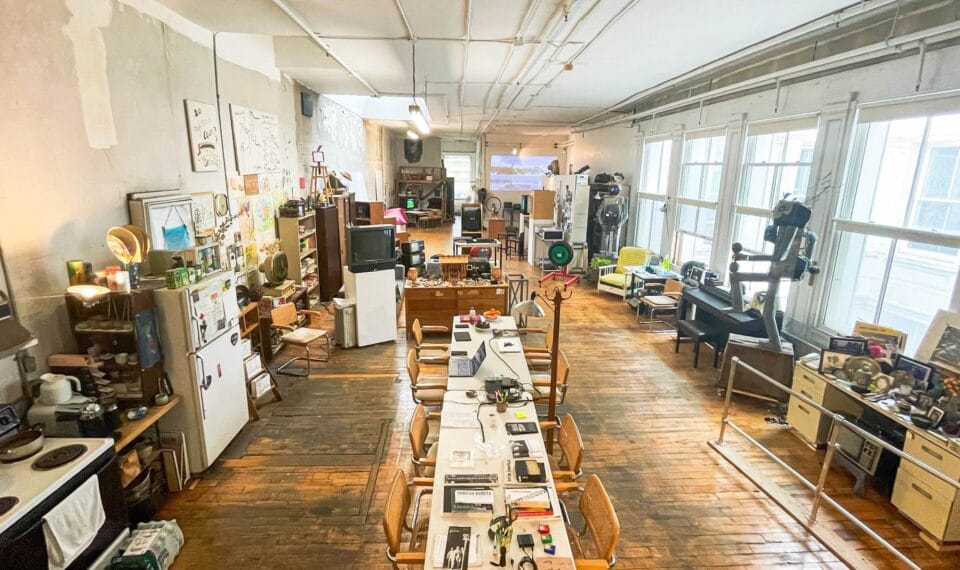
pixel 412 150
pixel 306 103
pixel 471 219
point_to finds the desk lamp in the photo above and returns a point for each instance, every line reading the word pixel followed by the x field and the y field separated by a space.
pixel 88 294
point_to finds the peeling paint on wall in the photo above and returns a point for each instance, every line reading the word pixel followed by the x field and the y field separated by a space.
pixel 90 57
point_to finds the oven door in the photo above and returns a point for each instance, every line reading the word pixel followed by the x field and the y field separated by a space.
pixel 24 540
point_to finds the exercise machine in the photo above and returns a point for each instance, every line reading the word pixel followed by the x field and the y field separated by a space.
pixel 561 254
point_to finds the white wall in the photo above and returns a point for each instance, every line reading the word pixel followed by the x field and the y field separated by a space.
pixel 93 118
pixel 343 137
pixel 832 97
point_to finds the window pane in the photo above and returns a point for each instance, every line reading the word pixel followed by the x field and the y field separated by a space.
pixel 711 182
pixel 655 167
pixel 800 146
pixel 717 147
pixel 688 218
pixel 758 184
pixel 918 285
pixel 939 172
pixel 697 150
pixel 693 248
pixel 649 224
pixel 460 168
pixel 749 232
pixel 793 181
pixel 690 181
pixel 887 154
pixel 856 281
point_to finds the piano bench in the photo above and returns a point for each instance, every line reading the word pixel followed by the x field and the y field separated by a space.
pixel 698 333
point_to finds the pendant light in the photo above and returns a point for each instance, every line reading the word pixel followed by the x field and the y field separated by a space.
pixel 416 115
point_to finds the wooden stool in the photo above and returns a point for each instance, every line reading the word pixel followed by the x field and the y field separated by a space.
pixel 510 244
pixel 698 333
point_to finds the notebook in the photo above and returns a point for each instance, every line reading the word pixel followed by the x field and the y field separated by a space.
pixel 448 552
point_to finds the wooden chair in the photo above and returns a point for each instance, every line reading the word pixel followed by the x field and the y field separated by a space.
pixel 424 454
pixel 395 523
pixel 568 466
pixel 597 542
pixel 541 381
pixel 665 303
pixel 298 333
pixel 431 353
pixel 427 390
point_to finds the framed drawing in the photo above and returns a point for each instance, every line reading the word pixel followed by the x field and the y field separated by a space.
pixel 203 131
pixel 941 345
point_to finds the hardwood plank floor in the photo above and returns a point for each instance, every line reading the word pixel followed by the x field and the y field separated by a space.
pixel 305 487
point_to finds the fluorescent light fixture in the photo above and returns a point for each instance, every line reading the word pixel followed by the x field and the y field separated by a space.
pixel 419 120
pixel 412 135
pixel 513 150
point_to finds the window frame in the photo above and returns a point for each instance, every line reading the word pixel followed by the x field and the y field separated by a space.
pixel 714 205
pixel 842 223
pixel 664 178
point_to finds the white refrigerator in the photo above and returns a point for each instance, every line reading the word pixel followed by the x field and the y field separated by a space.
pixel 199 326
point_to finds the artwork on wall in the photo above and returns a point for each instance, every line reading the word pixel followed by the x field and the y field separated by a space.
pixel 256 138
pixel 204 219
pixel 941 344
pixel 203 130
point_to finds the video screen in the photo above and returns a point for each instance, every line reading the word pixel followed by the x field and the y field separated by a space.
pixel 516 172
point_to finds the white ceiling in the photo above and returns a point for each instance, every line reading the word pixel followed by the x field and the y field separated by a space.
pixel 617 48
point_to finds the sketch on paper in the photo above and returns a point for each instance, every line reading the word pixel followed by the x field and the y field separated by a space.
pixel 256 138
pixel 203 130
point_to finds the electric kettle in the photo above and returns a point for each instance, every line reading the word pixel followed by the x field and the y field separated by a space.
pixel 57 388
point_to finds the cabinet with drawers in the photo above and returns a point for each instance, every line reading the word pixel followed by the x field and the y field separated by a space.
pixel 809 422
pixel 438 305
pixel 925 499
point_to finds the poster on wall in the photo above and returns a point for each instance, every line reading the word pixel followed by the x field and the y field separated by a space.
pixel 203 131
pixel 256 138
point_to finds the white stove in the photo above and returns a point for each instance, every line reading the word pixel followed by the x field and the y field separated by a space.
pixel 30 486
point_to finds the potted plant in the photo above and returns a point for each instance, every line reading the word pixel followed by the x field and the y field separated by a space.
pixel 595 264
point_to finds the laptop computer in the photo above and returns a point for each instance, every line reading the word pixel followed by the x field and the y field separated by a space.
pixel 463 367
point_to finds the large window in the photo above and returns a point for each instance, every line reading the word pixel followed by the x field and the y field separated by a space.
pixel 777 161
pixel 460 168
pixel 898 225
pixel 652 194
pixel 700 181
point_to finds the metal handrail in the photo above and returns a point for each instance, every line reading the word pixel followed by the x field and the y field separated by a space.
pixel 837 420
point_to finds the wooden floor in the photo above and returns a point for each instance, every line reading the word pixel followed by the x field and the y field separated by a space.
pixel 305 487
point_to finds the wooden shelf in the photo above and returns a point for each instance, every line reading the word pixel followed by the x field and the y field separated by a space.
pixel 308 252
pixel 132 429
pixel 308 233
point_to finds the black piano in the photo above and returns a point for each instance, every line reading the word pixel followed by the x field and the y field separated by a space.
pixel 713 311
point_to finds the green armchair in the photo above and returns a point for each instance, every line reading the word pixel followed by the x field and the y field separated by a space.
pixel 616 279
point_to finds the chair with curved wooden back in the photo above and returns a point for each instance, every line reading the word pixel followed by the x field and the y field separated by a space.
pixel 429 352
pixel 568 467
pixel 538 357
pixel 426 390
pixel 424 455
pixel 395 522
pixel 541 381
pixel 601 529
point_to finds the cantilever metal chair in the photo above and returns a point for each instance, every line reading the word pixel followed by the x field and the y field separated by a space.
pixel 296 325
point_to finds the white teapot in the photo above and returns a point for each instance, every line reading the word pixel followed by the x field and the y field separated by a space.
pixel 57 388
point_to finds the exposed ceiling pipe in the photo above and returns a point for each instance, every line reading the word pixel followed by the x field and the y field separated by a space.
pixel 406 22
pixel 613 20
pixel 833 19
pixel 556 49
pixel 468 17
pixel 555 26
pixel 521 31
pixel 298 20
pixel 894 45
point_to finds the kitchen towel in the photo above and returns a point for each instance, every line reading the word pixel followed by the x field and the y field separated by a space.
pixel 71 526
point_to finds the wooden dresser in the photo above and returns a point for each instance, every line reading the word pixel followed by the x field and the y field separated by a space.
pixel 438 305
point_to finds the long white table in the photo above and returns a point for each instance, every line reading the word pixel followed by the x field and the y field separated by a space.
pixel 491 456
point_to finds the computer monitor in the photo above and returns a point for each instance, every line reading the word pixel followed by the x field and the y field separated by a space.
pixel 409 202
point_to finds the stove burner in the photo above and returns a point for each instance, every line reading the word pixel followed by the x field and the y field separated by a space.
pixel 59 456
pixel 7 503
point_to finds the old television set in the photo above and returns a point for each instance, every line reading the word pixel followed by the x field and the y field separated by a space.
pixel 408 202
pixel 371 248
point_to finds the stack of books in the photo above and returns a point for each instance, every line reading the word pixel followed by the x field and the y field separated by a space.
pixel 529 502
pixel 468 500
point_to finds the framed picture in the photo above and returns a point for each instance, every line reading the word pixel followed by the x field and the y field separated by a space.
pixel 848 344
pixel 832 362
pixel 318 155
pixel 891 340
pixel 941 345
pixel 696 274
pixel 920 371
pixel 203 130
pixel 936 415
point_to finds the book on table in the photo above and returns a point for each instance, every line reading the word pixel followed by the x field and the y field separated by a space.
pixel 529 501
pixel 461 500
pixel 450 551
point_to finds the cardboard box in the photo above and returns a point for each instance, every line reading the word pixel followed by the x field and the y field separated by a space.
pixel 252 366
pixel 259 385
